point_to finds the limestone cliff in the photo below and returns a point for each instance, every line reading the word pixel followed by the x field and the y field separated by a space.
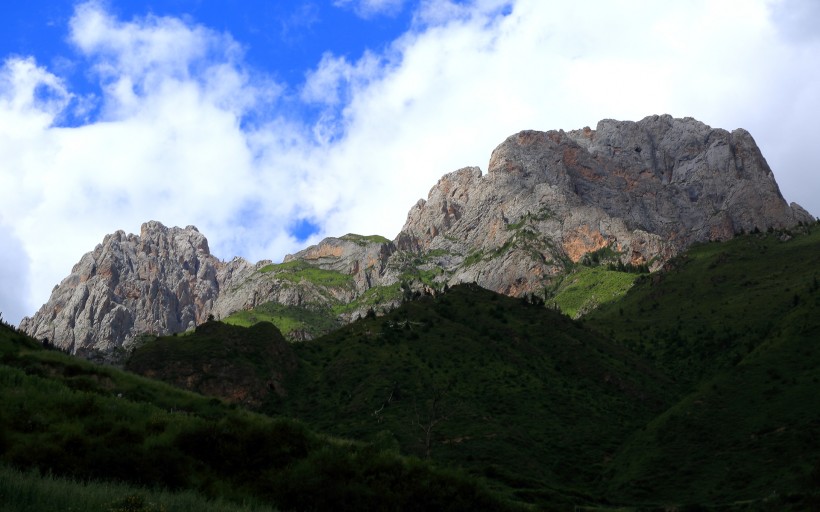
pixel 641 191
pixel 161 281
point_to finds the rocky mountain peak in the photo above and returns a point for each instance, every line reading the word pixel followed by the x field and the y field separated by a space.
pixel 639 191
pixel 162 281
pixel 645 190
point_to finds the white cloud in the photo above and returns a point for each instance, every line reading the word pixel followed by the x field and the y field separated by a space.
pixel 371 8
pixel 14 271
pixel 461 85
pixel 189 135
pixel 182 139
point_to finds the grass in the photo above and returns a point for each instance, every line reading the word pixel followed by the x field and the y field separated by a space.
pixel 587 288
pixel 470 379
pixel 695 389
pixel 374 298
pixel 297 271
pixel 219 359
pixel 494 379
pixel 30 491
pixel 700 388
pixel 364 240
pixel 737 325
pixel 296 323
pixel 473 258
pixel 76 421
pixel 716 303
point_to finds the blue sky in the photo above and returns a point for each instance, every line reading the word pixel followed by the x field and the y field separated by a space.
pixel 281 39
pixel 270 125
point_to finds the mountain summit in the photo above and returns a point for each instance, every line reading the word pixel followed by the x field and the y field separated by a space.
pixel 639 191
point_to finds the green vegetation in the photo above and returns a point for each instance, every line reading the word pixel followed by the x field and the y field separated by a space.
pixel 585 289
pixel 218 359
pixel 716 303
pixel 470 379
pixel 372 298
pixel 298 270
pixel 737 324
pixel 364 240
pixel 71 419
pixel 693 388
pixel 29 491
pixel 543 213
pixel 480 381
pixel 473 258
pixel 293 321
pixel 700 389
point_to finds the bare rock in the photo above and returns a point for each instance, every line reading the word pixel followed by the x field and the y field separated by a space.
pixel 165 280
pixel 646 190
pixel 641 191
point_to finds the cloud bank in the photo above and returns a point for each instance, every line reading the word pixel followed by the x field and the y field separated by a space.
pixel 182 130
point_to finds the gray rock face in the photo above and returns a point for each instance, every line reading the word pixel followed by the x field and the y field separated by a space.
pixel 641 191
pixel 332 273
pixel 363 258
pixel 162 281
pixel 645 190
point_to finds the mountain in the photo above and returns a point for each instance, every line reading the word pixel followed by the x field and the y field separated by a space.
pixel 632 193
pixel 697 390
pixel 164 280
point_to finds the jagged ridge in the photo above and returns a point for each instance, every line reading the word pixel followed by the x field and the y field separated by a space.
pixel 643 190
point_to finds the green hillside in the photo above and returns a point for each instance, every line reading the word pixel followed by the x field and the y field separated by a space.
pixel 81 427
pixel 716 303
pixel 696 387
pixel 508 390
pixel 739 323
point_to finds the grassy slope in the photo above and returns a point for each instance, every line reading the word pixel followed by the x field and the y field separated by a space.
pixel 735 324
pixel 716 302
pixel 542 407
pixel 241 364
pixel 510 391
pixel 739 322
pixel 313 320
pixel 29 491
pixel 71 418
pixel 587 288
pixel 288 319
pixel 513 392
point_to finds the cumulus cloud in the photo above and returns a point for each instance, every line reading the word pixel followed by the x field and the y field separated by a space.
pixel 181 137
pixel 185 132
pixel 471 74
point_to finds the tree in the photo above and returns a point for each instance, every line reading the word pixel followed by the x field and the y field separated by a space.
pixel 434 412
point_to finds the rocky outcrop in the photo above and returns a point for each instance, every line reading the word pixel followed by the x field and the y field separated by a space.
pixel 161 281
pixel 325 276
pixel 639 192
pixel 363 258
pixel 644 190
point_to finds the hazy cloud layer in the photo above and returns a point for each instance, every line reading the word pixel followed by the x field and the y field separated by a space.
pixel 370 8
pixel 14 271
pixel 184 132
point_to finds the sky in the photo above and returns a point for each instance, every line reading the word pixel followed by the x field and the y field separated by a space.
pixel 270 125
